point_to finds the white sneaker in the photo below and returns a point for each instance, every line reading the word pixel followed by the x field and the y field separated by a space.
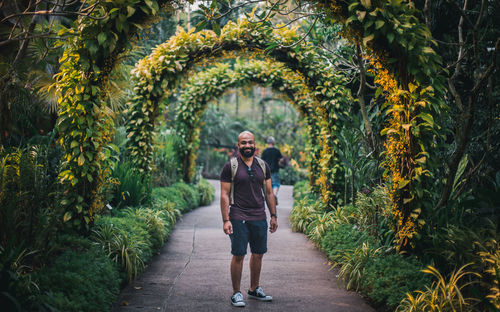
pixel 237 299
pixel 259 294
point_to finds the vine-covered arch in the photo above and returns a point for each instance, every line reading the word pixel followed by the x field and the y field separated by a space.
pixel 213 82
pixel 163 70
pixel 401 45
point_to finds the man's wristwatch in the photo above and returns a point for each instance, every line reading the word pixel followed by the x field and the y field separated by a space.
pixel 274 215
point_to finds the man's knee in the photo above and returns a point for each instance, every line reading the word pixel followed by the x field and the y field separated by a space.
pixel 238 258
pixel 258 256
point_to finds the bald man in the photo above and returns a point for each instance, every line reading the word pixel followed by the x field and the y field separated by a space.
pixel 244 217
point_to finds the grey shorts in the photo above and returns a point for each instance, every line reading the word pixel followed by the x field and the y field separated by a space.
pixel 245 232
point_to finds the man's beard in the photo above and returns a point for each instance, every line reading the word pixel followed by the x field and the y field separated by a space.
pixel 247 152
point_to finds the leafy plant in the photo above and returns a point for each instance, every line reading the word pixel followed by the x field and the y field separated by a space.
pixel 320 223
pixel 126 241
pixel 352 264
pixel 342 238
pixel 206 192
pixel 166 158
pixel 132 189
pixel 78 281
pixel 443 295
pixel 155 223
pixel 16 285
pixel 388 277
pixel 302 215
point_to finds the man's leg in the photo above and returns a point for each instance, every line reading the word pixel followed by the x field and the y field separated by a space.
pixel 236 269
pixel 255 267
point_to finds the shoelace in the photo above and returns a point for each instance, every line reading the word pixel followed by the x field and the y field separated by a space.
pixel 238 297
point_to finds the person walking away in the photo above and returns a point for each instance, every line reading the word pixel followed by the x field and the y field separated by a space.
pixel 245 185
pixel 273 156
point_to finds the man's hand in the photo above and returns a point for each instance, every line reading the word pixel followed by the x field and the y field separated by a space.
pixel 228 227
pixel 273 225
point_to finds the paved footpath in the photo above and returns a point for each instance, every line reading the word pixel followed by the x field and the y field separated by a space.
pixel 192 271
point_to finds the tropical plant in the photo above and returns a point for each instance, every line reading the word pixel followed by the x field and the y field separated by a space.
pixel 16 285
pixel 352 264
pixel 166 158
pixel 443 295
pixel 302 214
pixel 132 189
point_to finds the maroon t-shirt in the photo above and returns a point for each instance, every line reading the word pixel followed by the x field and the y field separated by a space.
pixel 249 202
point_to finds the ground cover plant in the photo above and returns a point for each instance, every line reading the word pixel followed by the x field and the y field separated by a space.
pixel 367 262
pixel 86 273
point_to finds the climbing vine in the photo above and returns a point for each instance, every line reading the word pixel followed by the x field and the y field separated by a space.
pixel 408 73
pixel 85 128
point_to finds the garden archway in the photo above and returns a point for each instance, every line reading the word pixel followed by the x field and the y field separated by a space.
pixel 161 72
pixel 408 71
pixel 215 81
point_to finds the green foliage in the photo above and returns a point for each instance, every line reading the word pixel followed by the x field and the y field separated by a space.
pixel 132 189
pixel 206 192
pixel 443 295
pixel 27 194
pixel 166 158
pixel 342 238
pixel 388 277
pixel 183 196
pixel 16 286
pixel 156 224
pixel 162 70
pixel 353 264
pixel 79 281
pixel 290 175
pixel 188 194
pixel 126 240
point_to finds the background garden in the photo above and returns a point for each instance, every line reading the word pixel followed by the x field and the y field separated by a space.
pixel 112 112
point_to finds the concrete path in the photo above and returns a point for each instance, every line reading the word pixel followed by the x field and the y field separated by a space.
pixel 192 271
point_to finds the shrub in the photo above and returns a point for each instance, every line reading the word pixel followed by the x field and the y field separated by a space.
pixel 126 241
pixel 188 193
pixel 79 281
pixel 156 224
pixel 388 277
pixel 15 281
pixel 353 263
pixel 320 223
pixel 289 175
pixel 27 188
pixel 172 195
pixel 132 189
pixel 184 196
pixel 302 215
pixel 205 192
pixel 170 213
pixel 342 238
pixel 166 160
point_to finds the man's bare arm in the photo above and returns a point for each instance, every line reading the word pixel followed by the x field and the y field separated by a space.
pixel 225 190
pixel 271 205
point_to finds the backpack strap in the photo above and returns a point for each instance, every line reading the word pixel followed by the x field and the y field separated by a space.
pixel 234 168
pixel 263 166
